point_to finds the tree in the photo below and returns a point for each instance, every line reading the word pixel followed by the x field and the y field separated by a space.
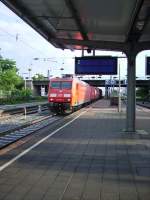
pixel 9 79
pixel 38 77
pixel 6 64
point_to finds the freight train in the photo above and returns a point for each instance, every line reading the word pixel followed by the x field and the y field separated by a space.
pixel 70 94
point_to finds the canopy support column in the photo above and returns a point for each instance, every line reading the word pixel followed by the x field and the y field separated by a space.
pixel 93 52
pixel 131 96
pixel 82 54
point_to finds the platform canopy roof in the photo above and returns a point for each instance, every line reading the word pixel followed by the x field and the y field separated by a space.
pixel 88 24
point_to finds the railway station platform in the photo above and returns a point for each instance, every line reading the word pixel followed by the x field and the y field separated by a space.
pixel 89 158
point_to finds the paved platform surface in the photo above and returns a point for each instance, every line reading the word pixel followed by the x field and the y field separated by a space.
pixel 90 159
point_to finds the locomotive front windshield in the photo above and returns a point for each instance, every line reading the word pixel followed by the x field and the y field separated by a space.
pixel 61 85
pixel 55 84
pixel 66 85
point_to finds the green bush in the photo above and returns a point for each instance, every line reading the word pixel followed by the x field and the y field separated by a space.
pixel 17 96
pixel 21 94
pixel 142 93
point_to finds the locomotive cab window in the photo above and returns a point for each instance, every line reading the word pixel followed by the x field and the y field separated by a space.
pixel 66 85
pixel 55 84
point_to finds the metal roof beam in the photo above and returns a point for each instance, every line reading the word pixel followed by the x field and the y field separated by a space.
pixel 143 22
pixel 136 26
pixel 116 46
pixel 25 14
pixel 141 46
pixel 75 15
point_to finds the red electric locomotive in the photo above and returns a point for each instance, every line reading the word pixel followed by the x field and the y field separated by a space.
pixel 69 94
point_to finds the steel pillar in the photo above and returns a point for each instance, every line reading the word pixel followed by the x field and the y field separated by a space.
pixel 131 97
pixel 106 92
pixel 82 52
pixel 93 52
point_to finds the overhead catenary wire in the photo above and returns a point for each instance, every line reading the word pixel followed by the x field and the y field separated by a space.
pixel 17 38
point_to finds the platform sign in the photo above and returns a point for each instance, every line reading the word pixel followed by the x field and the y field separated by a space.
pixel 147 64
pixel 104 65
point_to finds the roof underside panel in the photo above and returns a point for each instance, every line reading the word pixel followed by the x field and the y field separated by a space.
pixel 77 24
pixel 144 20
pixel 106 20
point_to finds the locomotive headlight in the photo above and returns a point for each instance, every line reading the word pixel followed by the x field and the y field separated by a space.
pixel 67 95
pixel 68 99
pixel 52 95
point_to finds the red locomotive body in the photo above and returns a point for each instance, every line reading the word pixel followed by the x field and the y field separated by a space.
pixel 69 94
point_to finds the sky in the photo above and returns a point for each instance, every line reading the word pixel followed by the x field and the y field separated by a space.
pixel 18 41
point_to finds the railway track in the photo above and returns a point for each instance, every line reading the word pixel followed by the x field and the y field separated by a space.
pixel 6 114
pixel 18 119
pixel 12 135
pixel 18 123
pixel 21 132
pixel 144 104
pixel 18 132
